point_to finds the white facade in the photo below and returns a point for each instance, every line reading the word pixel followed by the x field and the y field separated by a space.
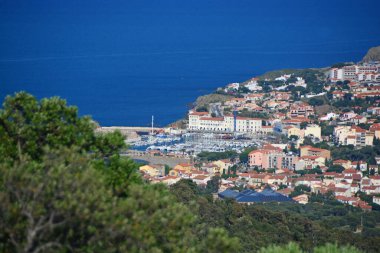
pixel 353 72
pixel 204 122
pixel 253 85
pixel 336 74
pixel 376 200
pixel 349 72
pixel 313 130
pixel 369 77
pixel 352 135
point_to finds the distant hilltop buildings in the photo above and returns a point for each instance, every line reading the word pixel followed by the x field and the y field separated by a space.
pixel 365 72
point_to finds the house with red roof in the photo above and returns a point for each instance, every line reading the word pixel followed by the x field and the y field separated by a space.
pixel 361 165
pixel 372 189
pixel 353 135
pixel 375 180
pixel 312 151
pixel 375 129
pixel 346 192
pixel 201 179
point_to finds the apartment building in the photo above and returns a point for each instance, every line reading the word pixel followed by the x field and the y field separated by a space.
pixel 353 135
pixel 354 72
pixel 270 157
pixel 266 158
pixel 311 151
pixel 336 74
pixel 313 130
pixel 300 109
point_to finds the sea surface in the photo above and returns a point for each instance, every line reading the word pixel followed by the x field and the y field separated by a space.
pixel 123 61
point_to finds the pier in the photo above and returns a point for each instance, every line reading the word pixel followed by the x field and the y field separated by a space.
pixel 151 159
pixel 131 133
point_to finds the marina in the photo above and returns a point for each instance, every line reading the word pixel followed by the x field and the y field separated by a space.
pixel 191 143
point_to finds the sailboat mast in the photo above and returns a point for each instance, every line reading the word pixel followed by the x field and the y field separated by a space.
pixel 152 124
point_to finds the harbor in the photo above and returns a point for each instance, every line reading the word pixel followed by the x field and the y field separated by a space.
pixel 189 144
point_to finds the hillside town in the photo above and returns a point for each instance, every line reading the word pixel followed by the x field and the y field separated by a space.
pixel 311 133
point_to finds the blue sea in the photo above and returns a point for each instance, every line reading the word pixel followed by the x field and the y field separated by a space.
pixel 123 61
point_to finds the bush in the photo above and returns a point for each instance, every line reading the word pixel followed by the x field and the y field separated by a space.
pixel 316 101
pixel 336 168
pixel 294 248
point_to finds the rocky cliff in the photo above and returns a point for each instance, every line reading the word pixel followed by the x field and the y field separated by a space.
pixel 373 54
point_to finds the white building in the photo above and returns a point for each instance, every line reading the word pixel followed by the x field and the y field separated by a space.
pixel 232 86
pixel 349 72
pixel 329 116
pixel 354 72
pixel 373 77
pixel 336 74
pixel 313 130
pixel 376 200
pixel 203 122
pixel 283 78
pixel 353 135
pixel 253 85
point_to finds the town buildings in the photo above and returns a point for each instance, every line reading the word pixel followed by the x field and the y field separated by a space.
pixel 271 157
pixel 353 135
pixel 285 121
pixel 312 151
pixel 199 121
pixel 355 72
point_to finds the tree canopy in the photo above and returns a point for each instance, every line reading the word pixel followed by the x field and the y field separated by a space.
pixel 66 188
pixel 28 125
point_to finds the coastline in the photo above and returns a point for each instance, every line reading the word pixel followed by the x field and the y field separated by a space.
pixel 214 97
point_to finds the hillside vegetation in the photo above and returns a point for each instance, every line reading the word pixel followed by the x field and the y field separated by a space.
pixel 64 188
pixel 320 72
pixel 260 225
pixel 211 98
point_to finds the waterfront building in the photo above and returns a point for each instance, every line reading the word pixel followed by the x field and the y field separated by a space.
pixel 204 122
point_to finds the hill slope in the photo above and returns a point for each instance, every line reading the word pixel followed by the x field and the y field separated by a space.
pixel 373 54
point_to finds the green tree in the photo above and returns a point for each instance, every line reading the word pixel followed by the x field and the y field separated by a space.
pixel 244 155
pixel 46 208
pixel 202 109
pixel 303 125
pixel 267 88
pixel 218 241
pixel 119 173
pixel 213 156
pixel 336 168
pixel 64 204
pixel 64 188
pixel 243 89
pixel 213 184
pixel 340 65
pixel 334 248
pixel 316 101
pixel 294 248
pixel 27 126
pixel 327 130
pixel 290 248
pixel 300 189
pixel 167 169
